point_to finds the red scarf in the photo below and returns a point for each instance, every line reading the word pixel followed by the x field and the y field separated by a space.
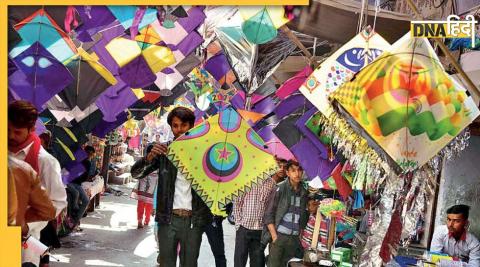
pixel 32 156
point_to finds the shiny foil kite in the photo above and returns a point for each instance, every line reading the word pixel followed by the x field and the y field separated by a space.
pixel 407 103
pixel 222 158
pixel 341 67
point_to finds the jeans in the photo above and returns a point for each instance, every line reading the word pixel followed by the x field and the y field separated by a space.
pixel 283 249
pixel 248 245
pixel 83 200
pixel 179 231
pixel 214 233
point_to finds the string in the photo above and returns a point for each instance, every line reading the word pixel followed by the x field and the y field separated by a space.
pixel 377 9
pixel 360 19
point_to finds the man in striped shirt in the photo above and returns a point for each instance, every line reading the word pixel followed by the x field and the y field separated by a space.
pixel 285 216
pixel 248 212
pixel 455 240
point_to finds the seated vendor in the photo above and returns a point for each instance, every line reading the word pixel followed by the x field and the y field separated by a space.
pixel 454 239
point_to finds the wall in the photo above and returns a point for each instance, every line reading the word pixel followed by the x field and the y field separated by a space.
pixel 460 184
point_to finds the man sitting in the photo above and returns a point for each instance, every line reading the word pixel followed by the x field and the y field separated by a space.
pixel 455 240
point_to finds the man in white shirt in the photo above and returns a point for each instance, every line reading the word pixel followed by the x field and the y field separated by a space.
pixel 24 144
pixel 181 214
pixel 455 240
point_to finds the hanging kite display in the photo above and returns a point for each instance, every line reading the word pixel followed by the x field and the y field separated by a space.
pixel 40 27
pixel 223 158
pixel 261 22
pixel 83 92
pixel 407 103
pixel 141 58
pixel 33 81
pixel 340 68
pixel 243 55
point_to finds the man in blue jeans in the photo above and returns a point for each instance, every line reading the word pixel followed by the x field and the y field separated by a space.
pixel 81 203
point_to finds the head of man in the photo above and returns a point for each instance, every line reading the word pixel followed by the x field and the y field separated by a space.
pixel 294 171
pixel 22 116
pixel 181 120
pixel 46 139
pixel 457 219
pixel 90 151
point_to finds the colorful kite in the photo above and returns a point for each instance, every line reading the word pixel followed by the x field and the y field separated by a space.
pixel 407 103
pixel 33 81
pixel 223 158
pixel 40 27
pixel 141 58
pixel 261 22
pixel 90 79
pixel 340 68
pixel 253 64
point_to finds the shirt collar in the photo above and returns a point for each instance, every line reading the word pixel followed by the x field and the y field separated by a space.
pixel 25 150
pixel 463 237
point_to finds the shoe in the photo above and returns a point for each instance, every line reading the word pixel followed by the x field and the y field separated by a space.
pixel 146 223
pixel 140 225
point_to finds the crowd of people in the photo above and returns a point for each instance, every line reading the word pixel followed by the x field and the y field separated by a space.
pixel 272 215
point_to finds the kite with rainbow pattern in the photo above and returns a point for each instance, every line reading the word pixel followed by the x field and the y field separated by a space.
pixel 407 103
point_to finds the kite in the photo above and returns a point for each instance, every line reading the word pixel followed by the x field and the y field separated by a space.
pixel 40 76
pixel 90 79
pixel 222 158
pixel 40 27
pixel 261 22
pixel 407 103
pixel 341 67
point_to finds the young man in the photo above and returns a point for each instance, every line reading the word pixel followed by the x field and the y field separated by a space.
pixel 280 175
pixel 180 212
pixel 285 216
pixel 454 238
pixel 248 212
pixel 24 144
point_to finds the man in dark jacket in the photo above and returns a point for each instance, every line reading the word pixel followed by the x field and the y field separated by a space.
pixel 180 212
pixel 285 216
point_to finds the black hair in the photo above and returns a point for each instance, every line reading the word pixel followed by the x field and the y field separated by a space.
pixel 280 160
pixel 46 137
pixel 459 209
pixel 89 149
pixel 291 163
pixel 22 114
pixel 183 113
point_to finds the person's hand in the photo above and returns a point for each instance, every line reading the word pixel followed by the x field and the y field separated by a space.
pixel 274 238
pixel 25 230
pixel 158 149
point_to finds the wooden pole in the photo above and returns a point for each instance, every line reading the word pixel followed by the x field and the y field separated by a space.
pixel 299 44
pixel 443 47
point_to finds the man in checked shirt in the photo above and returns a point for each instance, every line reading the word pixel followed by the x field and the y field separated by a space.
pixel 248 212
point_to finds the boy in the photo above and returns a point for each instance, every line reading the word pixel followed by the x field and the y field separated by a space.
pixel 285 216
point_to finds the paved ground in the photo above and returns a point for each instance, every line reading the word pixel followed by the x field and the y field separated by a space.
pixel 110 238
